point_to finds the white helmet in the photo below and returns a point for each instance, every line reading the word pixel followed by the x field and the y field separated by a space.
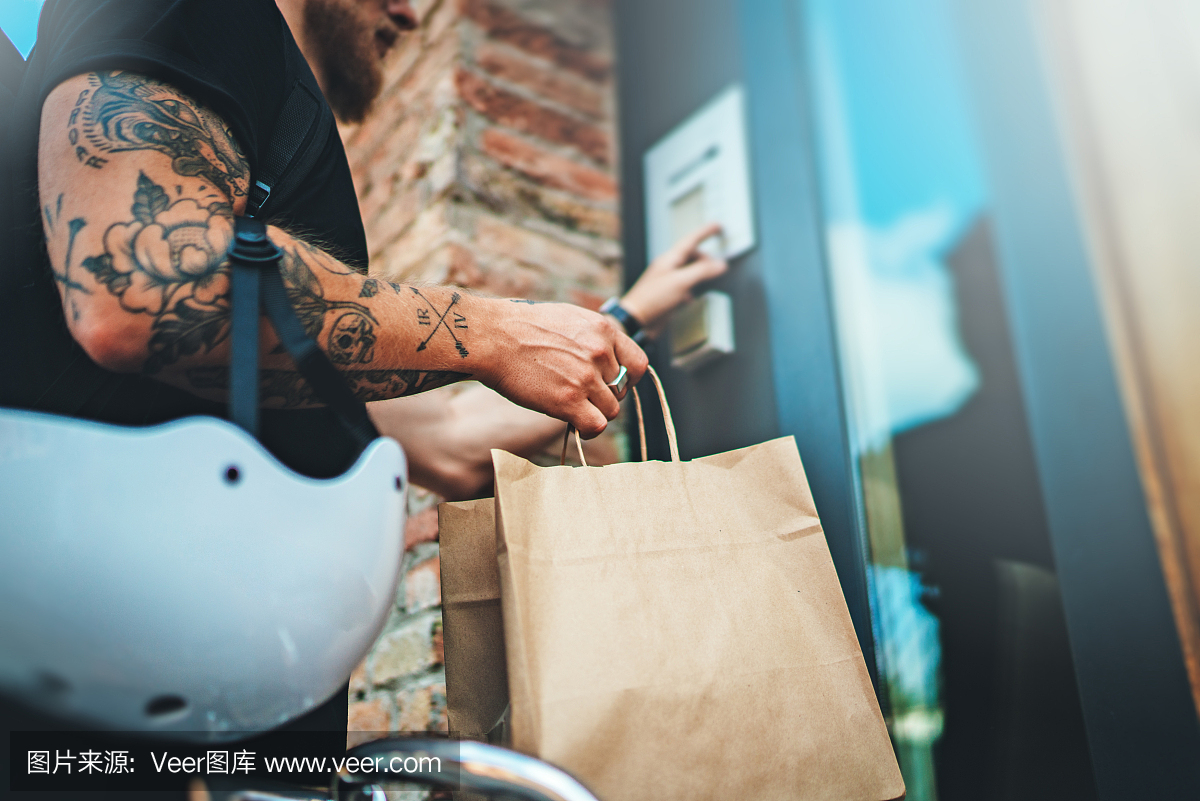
pixel 178 579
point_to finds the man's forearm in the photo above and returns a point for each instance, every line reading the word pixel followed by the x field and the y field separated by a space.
pixel 387 339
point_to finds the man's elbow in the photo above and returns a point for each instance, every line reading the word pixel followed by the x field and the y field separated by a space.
pixel 114 343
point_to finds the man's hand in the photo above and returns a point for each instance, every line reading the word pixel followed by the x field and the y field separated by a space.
pixel 669 280
pixel 557 358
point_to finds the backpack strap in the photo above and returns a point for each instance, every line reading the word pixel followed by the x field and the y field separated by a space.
pixel 294 148
pixel 258 285
pixel 297 141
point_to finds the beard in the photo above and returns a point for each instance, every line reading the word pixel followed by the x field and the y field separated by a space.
pixel 348 48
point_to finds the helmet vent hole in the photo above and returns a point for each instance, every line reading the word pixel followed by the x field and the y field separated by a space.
pixel 164 705
pixel 399 484
pixel 232 474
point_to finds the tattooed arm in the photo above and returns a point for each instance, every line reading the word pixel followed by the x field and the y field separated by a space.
pixel 139 186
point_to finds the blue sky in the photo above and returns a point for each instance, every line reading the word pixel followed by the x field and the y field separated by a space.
pixel 18 19
pixel 901 178
pixel 905 103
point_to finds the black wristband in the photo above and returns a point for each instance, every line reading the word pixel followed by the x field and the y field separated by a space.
pixel 613 308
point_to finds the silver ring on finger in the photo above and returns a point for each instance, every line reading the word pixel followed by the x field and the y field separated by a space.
pixel 618 384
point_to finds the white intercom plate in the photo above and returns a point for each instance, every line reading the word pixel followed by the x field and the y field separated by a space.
pixel 699 173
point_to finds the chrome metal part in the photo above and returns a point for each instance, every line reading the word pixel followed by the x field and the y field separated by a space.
pixel 473 767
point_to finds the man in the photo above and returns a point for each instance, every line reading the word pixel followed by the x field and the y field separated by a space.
pixel 138 130
pixel 139 175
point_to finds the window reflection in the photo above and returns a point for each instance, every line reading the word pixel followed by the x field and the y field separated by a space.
pixel 963 595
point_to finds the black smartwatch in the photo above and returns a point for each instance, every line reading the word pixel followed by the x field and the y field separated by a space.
pixel 613 308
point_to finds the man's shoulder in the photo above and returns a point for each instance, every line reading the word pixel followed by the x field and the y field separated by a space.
pixel 240 37
pixel 102 13
pixel 232 56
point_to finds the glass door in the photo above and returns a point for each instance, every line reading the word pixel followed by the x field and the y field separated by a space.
pixel 971 646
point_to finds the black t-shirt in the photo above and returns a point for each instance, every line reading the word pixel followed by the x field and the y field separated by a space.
pixel 238 58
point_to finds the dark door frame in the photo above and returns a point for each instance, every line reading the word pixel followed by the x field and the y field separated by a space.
pixel 804 355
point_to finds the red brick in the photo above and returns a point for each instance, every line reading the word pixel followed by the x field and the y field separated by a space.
pixel 588 300
pixel 414 708
pixel 384 144
pixel 463 269
pixel 421 709
pixel 423 586
pixel 393 145
pixel 443 19
pixel 435 267
pixel 439 646
pixel 538 250
pixel 402 58
pixel 381 169
pixel 421 527
pixel 438 720
pixel 365 720
pixel 505 26
pixel 541 79
pixel 404 651
pixel 408 256
pixel 422 9
pixel 514 111
pixel 375 132
pixel 376 127
pixel 484 271
pixel 576 216
pixel 396 218
pixel 435 63
pixel 513 193
pixel 548 168
pixel 359 683
pixel 504 278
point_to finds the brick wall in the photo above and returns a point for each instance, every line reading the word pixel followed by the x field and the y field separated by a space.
pixel 488 162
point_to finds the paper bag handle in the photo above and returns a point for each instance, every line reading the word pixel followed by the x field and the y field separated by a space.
pixel 562 460
pixel 637 405
pixel 668 421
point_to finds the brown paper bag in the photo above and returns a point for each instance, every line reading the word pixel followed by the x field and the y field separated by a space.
pixel 472 632
pixel 677 631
